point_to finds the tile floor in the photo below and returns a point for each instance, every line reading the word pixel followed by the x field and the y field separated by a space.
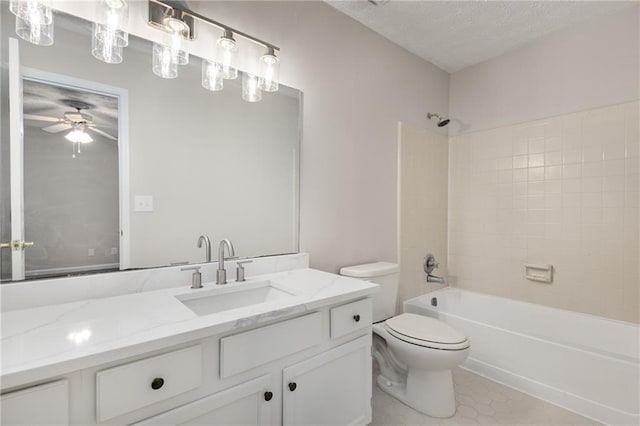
pixel 479 401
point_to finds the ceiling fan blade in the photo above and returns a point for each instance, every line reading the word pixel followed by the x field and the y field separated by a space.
pixel 40 118
pixel 100 132
pixel 57 127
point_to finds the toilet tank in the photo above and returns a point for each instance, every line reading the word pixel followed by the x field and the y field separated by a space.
pixel 385 274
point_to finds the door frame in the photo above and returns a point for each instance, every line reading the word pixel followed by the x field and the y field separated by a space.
pixel 122 94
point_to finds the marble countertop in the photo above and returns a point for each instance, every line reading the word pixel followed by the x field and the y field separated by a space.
pixel 47 341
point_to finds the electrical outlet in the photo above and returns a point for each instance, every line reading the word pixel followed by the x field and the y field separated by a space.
pixel 91 252
pixel 143 203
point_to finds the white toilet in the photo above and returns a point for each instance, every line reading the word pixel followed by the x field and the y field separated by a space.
pixel 415 353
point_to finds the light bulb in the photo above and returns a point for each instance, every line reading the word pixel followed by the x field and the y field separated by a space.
pixel 270 70
pixel 179 55
pixel 78 135
pixel 211 75
pixel 227 52
pixel 251 88
pixel 163 62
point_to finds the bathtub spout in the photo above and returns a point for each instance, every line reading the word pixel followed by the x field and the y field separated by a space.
pixel 434 279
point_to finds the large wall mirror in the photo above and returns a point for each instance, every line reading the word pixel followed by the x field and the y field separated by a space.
pixel 167 160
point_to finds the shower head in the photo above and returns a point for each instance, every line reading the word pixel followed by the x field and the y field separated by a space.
pixel 441 121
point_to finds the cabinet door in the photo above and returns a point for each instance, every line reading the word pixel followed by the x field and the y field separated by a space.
pixel 246 404
pixel 39 405
pixel 333 388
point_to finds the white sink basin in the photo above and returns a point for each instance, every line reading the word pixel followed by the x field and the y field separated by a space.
pixel 232 296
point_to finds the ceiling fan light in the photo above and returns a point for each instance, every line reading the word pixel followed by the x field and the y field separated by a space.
pixel 79 135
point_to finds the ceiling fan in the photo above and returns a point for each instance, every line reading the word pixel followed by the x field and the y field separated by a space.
pixel 76 121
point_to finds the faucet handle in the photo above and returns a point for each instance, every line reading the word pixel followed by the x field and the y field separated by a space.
pixel 240 270
pixel 196 279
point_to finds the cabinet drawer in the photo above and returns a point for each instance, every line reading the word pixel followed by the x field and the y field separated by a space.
pixel 129 387
pixel 244 351
pixel 39 405
pixel 351 317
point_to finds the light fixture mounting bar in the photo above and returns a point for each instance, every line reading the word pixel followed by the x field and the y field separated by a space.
pixel 186 13
pixel 159 11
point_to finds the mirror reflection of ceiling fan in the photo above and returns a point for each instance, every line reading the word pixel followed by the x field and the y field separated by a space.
pixel 76 121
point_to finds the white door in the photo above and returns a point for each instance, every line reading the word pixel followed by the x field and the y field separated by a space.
pixel 249 404
pixel 17 243
pixel 333 388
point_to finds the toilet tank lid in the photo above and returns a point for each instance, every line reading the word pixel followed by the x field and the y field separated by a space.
pixel 369 270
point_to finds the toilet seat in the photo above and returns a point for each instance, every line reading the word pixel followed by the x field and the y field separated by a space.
pixel 427 332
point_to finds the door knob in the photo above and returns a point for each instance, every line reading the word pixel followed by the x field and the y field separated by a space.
pixel 17 245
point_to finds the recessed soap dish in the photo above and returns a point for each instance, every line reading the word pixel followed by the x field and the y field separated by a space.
pixel 539 273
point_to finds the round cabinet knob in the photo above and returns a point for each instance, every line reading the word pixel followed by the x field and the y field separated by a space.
pixel 268 396
pixel 157 383
pixel 292 386
pixel 356 317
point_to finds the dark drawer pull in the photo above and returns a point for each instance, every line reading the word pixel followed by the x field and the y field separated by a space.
pixel 356 317
pixel 157 383
pixel 267 396
pixel 292 386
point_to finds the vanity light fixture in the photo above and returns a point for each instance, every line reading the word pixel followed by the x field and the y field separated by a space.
pixel 108 40
pixel 164 64
pixel 270 70
pixel 226 51
pixel 212 76
pixel 34 21
pixel 251 88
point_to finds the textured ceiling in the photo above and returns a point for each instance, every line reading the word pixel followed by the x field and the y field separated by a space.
pixel 456 34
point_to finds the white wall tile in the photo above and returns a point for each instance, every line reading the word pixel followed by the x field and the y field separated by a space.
pixel 568 195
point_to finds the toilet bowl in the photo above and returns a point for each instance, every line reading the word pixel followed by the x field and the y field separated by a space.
pixel 415 353
pixel 418 354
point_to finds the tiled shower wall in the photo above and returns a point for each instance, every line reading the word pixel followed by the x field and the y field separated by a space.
pixel 422 203
pixel 561 191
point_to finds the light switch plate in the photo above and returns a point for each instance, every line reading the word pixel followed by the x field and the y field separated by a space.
pixel 143 203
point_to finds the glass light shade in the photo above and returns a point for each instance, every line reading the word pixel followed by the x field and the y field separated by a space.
pixel 79 135
pixel 212 75
pixel 163 64
pixel 34 21
pixel 270 71
pixel 179 55
pixel 251 88
pixel 108 39
pixel 32 10
pixel 105 47
pixel 227 51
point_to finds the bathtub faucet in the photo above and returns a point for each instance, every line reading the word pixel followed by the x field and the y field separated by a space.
pixel 430 264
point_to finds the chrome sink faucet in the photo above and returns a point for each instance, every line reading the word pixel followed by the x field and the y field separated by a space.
pixel 207 246
pixel 222 273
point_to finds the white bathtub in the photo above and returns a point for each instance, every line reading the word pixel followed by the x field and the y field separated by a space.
pixel 587 364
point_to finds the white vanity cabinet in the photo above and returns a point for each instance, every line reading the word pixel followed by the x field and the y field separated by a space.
pixel 333 388
pixel 37 405
pixel 309 368
pixel 248 404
